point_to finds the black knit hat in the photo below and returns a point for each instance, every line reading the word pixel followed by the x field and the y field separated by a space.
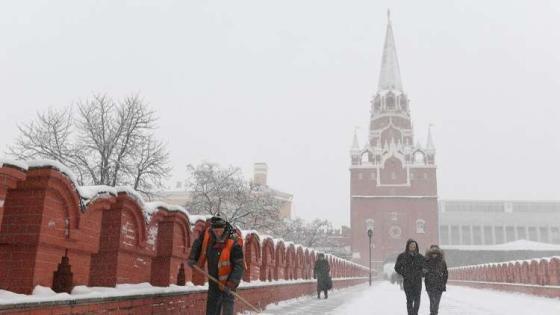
pixel 217 222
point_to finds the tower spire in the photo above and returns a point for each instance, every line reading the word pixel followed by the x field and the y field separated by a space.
pixel 355 143
pixel 430 142
pixel 390 75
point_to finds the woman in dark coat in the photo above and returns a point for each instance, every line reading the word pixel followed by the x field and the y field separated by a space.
pixel 321 273
pixel 409 265
pixel 435 276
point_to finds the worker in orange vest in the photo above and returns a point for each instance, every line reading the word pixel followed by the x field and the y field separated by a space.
pixel 221 246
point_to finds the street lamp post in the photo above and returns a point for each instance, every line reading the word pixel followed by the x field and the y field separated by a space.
pixel 370 234
pixel 370 225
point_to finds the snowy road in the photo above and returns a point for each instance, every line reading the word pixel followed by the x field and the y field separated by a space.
pixel 386 299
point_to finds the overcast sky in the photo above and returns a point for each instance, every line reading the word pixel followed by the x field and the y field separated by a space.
pixel 286 82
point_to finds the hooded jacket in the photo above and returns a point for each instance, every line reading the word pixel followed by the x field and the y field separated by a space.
pixel 435 276
pixel 409 265
pixel 212 254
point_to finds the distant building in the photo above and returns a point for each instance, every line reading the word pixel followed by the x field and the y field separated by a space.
pixel 260 176
pixel 340 242
pixel 175 197
pixel 182 196
pixel 475 222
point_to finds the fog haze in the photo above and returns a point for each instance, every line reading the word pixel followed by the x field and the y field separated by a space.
pixel 286 83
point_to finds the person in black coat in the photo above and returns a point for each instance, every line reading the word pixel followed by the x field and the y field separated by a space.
pixel 321 273
pixel 435 276
pixel 219 295
pixel 409 265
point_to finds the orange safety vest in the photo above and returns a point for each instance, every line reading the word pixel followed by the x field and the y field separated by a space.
pixel 224 264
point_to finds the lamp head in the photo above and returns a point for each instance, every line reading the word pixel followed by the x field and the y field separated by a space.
pixel 370 224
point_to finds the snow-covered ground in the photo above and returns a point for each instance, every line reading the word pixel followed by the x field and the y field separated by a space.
pixel 387 299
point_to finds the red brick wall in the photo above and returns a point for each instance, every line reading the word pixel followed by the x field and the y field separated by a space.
pixel 172 245
pixel 192 303
pixel 252 258
pixel 392 204
pixel 267 261
pixel 40 216
pixel 111 241
pixel 537 276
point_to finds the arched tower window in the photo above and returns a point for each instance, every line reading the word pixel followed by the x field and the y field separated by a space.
pixel 420 226
pixel 390 101
pixel 365 157
pixel 419 157
pixel 404 102
pixel 377 103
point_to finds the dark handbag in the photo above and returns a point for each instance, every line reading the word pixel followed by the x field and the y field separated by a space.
pixel 329 282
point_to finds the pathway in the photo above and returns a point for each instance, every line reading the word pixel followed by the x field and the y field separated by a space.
pixel 386 299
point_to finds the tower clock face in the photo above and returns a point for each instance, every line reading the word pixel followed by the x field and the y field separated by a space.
pixel 395 231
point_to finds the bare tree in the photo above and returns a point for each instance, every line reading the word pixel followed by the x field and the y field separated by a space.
pixel 223 191
pixel 105 142
pixel 318 234
pixel 310 234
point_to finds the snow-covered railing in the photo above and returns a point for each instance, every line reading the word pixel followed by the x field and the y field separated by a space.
pixel 537 271
pixel 108 236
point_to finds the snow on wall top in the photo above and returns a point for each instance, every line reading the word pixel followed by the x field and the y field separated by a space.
pixel 288 244
pixel 515 245
pixel 150 208
pixel 275 241
pixel 55 165
pixel 529 261
pixel 19 164
pixel 245 233
pixel 193 218
pixel 90 193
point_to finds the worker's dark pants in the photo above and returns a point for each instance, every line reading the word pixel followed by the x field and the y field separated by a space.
pixel 219 302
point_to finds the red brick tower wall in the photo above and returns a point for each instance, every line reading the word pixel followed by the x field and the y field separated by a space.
pixel 393 184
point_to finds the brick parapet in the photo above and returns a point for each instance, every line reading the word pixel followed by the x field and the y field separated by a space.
pixel 111 238
pixel 536 276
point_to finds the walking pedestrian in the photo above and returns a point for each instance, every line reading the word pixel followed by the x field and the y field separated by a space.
pixel 321 273
pixel 409 265
pixel 222 248
pixel 435 276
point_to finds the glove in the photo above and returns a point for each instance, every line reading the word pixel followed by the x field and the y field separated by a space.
pixel 190 263
pixel 223 288
pixel 228 287
pixel 231 285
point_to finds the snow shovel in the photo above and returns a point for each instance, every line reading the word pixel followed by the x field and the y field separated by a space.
pixel 231 291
